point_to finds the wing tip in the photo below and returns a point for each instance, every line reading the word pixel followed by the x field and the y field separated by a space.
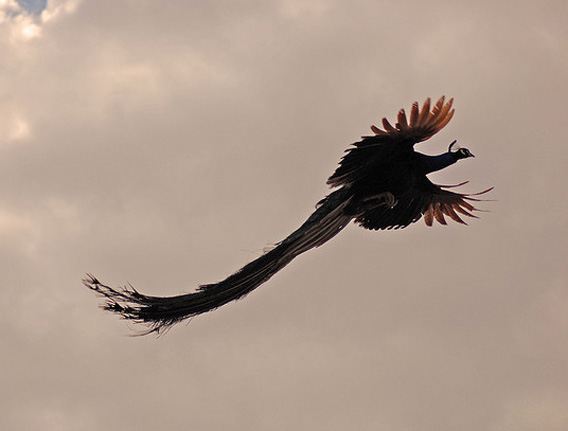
pixel 422 123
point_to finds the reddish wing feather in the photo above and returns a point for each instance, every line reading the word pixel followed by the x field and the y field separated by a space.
pixel 423 122
pixel 450 203
pixel 373 150
pixel 424 199
pixel 424 113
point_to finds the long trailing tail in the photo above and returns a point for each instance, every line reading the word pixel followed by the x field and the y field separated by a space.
pixel 160 313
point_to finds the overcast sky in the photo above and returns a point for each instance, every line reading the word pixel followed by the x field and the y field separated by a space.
pixel 165 144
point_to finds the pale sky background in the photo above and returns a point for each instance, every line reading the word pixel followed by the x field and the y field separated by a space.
pixel 166 144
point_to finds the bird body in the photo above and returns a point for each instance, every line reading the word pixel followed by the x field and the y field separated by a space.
pixel 380 183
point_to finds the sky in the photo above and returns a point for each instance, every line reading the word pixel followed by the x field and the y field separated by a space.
pixel 166 144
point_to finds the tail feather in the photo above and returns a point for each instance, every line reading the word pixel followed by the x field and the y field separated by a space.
pixel 160 313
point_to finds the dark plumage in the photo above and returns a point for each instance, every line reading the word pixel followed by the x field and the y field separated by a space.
pixel 382 185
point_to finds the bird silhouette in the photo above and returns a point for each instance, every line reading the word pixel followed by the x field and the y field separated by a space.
pixel 381 183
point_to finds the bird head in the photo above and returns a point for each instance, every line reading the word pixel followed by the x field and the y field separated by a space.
pixel 460 153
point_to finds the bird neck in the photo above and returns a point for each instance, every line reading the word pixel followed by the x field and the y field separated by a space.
pixel 435 163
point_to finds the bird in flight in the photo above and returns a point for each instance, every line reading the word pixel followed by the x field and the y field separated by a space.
pixel 381 183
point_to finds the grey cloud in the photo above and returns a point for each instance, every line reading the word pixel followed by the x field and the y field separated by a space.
pixel 167 144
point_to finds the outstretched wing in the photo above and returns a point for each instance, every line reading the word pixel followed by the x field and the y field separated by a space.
pixel 392 141
pixel 426 199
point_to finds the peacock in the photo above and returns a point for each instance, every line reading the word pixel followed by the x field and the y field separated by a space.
pixel 381 183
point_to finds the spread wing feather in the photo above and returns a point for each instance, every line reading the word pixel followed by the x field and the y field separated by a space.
pixel 427 199
pixel 391 141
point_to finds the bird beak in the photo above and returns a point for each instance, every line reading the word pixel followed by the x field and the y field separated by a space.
pixel 471 155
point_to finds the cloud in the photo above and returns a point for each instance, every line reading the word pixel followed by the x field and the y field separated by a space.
pixel 14 21
pixel 24 20
pixel 15 128
pixel 166 144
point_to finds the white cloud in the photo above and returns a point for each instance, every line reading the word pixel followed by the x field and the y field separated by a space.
pixel 22 26
pixel 59 8
pixel 12 223
pixel 9 8
pixel 13 125
pixel 19 25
